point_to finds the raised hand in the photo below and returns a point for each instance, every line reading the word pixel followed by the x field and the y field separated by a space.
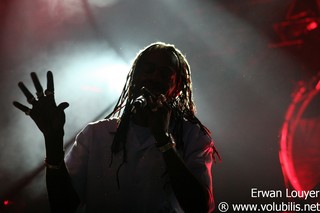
pixel 49 117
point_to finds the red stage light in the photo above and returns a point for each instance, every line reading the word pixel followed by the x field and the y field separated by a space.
pixel 299 148
pixel 318 86
pixel 312 25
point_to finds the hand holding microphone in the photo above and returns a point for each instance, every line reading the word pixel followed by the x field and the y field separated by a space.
pixel 147 98
pixel 154 111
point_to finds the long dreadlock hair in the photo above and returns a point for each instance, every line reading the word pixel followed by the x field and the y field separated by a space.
pixel 183 106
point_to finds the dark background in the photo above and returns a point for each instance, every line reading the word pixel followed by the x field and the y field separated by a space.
pixel 244 73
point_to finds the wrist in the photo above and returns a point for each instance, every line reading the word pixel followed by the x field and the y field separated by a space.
pixel 54 150
pixel 162 138
pixel 166 143
pixel 167 147
pixel 54 165
pixel 54 158
pixel 54 147
pixel 57 134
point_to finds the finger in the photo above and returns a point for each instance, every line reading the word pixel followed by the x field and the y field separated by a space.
pixel 27 93
pixel 37 84
pixel 50 85
pixel 159 103
pixel 162 98
pixel 162 101
pixel 23 108
pixel 63 105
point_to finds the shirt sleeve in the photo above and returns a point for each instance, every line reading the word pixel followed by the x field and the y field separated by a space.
pixel 198 154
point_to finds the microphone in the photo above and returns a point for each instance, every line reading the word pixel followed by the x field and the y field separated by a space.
pixel 139 103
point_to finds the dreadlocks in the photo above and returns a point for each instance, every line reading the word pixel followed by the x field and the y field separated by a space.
pixel 182 105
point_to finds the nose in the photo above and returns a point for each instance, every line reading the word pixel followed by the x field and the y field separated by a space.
pixel 155 74
pixel 152 72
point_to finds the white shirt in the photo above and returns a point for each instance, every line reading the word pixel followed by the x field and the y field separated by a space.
pixel 144 183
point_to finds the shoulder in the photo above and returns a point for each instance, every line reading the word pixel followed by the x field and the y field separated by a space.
pixel 195 137
pixel 194 129
pixel 106 125
pixel 198 139
pixel 97 130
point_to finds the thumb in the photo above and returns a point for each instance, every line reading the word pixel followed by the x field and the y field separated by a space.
pixel 63 106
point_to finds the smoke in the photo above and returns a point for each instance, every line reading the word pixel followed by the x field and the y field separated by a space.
pixel 35 38
pixel 62 10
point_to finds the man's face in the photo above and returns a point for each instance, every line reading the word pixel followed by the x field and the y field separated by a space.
pixel 157 71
